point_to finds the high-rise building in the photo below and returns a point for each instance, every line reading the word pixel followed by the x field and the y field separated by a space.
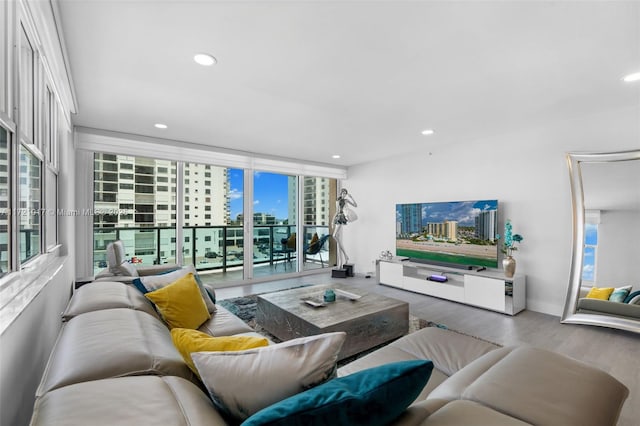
pixel 447 229
pixel 410 218
pixel 486 225
pixel 315 208
pixel 206 199
pixel 138 192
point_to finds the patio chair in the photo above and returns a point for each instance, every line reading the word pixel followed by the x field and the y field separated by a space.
pixel 315 247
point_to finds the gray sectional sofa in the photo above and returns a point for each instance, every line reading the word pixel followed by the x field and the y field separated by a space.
pixel 114 364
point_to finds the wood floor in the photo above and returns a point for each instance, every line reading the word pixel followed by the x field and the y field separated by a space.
pixel 614 351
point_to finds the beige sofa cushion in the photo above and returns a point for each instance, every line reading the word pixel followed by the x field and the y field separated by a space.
pixel 546 388
pixel 100 295
pixel 458 413
pixel 111 343
pixel 124 401
pixel 457 383
pixel 224 323
pixel 449 351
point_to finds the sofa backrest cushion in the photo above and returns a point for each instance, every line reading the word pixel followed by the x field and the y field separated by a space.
pixel 111 343
pixel 542 387
pixel 99 295
pixel 139 400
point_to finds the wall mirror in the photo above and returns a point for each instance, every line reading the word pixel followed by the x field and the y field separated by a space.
pixel 605 191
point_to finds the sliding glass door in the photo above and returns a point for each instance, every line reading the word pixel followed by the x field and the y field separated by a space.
pixel 274 223
pixel 318 201
pixel 167 212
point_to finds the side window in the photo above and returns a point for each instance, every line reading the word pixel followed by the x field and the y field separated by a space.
pixel 4 201
pixel 29 199
pixel 590 252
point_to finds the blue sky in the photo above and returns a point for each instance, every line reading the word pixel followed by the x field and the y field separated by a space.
pixel 270 193
pixel 464 212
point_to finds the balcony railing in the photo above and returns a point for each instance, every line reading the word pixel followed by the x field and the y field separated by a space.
pixel 206 247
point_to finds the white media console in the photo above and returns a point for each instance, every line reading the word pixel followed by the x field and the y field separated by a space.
pixel 485 289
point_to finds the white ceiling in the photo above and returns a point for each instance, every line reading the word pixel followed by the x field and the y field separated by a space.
pixel 308 79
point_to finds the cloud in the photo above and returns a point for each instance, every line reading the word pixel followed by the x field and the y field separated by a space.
pixel 256 202
pixel 234 194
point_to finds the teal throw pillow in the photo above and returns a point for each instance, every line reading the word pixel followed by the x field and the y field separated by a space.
pixel 633 298
pixel 619 294
pixel 375 396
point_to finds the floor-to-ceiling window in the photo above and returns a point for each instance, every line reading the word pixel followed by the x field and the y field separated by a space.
pixel 318 199
pixel 134 201
pixel 274 223
pixel 4 201
pixel 196 213
pixel 213 209
pixel 29 192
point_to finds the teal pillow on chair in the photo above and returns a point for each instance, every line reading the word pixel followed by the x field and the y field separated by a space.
pixel 369 397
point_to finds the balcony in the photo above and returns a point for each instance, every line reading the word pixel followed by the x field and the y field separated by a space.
pixel 216 251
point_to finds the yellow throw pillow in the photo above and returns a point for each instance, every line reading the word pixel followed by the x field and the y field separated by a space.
pixel 180 303
pixel 188 341
pixel 314 239
pixel 600 293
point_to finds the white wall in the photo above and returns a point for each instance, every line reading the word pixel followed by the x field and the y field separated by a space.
pixel 525 171
pixel 618 254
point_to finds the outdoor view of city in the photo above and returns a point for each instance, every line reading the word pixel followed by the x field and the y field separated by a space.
pixel 135 201
pixel 461 232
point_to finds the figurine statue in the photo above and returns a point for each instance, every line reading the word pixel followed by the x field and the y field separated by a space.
pixel 344 215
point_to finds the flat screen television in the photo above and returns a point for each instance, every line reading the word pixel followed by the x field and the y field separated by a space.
pixel 454 233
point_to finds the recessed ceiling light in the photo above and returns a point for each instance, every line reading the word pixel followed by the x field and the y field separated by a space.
pixel 427 132
pixel 632 77
pixel 335 156
pixel 204 59
pixel 160 126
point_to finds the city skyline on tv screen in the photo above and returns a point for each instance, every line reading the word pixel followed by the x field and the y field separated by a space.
pixel 457 232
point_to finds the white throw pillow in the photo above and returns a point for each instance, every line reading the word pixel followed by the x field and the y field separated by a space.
pixel 244 382
pixel 156 282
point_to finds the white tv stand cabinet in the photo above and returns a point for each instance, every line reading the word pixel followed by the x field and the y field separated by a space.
pixel 485 289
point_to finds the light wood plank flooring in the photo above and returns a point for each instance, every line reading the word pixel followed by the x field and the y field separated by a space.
pixel 614 351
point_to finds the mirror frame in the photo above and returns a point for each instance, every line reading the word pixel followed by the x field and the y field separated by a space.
pixel 569 315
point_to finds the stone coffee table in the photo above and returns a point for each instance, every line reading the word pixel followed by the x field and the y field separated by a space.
pixel 368 321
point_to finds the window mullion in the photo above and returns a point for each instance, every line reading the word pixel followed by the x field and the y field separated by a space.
pixel 179 212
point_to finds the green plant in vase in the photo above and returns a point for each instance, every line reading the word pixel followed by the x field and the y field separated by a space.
pixel 508 247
